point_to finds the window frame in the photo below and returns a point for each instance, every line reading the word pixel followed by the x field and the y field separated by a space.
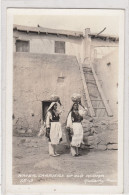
pixel 56 48
pixel 24 41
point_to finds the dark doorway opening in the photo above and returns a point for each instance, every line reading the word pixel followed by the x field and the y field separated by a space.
pixel 45 105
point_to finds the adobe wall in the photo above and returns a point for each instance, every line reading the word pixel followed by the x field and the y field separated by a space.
pixel 107 72
pixel 40 43
pixel 35 79
pixel 102 54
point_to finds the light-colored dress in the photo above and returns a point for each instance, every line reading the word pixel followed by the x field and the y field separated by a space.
pixel 55 128
pixel 77 137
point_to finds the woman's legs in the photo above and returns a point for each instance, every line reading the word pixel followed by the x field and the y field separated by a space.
pixel 51 149
pixel 76 150
pixel 55 150
pixel 73 150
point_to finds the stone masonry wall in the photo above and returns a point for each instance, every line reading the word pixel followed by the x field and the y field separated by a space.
pixel 101 134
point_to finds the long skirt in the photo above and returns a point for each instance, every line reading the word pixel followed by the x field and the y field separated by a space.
pixel 55 133
pixel 77 137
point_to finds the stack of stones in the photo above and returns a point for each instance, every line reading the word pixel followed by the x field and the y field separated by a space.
pixel 89 134
pixel 101 135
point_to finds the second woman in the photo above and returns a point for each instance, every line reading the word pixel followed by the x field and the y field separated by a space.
pixel 53 129
pixel 74 127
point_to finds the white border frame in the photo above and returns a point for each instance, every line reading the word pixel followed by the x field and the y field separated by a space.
pixel 97 4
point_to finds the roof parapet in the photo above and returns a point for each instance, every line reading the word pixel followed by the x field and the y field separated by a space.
pixel 77 34
pixel 104 37
pixel 47 31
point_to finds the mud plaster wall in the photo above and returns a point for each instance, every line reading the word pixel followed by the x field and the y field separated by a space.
pixel 40 43
pixel 102 53
pixel 108 77
pixel 99 42
pixel 35 80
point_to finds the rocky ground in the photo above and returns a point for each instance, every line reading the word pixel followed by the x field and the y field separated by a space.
pixel 32 164
pixel 96 166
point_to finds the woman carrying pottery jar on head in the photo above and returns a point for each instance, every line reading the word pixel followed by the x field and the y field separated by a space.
pixel 53 128
pixel 74 126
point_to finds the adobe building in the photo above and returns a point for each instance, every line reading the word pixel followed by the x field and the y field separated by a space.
pixel 49 61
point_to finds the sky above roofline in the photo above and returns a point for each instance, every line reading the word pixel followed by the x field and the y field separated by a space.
pixel 76 21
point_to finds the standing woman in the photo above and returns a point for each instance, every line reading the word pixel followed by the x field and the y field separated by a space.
pixel 74 127
pixel 53 128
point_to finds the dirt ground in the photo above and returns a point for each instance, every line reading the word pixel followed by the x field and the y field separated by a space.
pixel 33 165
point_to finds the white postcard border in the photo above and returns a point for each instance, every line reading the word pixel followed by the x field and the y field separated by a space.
pixel 9 122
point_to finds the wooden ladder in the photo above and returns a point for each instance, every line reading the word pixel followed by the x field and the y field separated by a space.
pixel 88 99
pixel 97 103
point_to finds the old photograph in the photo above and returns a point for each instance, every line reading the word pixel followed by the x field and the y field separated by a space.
pixel 65 97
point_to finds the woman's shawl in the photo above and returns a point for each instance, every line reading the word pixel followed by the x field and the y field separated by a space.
pixel 48 117
pixel 69 123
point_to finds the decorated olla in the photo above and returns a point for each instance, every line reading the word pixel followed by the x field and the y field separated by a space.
pixel 55 98
pixel 76 97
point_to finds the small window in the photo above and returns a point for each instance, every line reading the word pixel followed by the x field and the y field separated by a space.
pixel 59 47
pixel 109 63
pixel 60 80
pixel 22 46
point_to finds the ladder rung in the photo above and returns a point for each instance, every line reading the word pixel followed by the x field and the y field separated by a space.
pixel 88 72
pixel 99 108
pixel 91 82
pixel 92 95
pixel 86 67
pixel 96 100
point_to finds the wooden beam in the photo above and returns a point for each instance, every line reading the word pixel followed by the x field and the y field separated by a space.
pixel 109 112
